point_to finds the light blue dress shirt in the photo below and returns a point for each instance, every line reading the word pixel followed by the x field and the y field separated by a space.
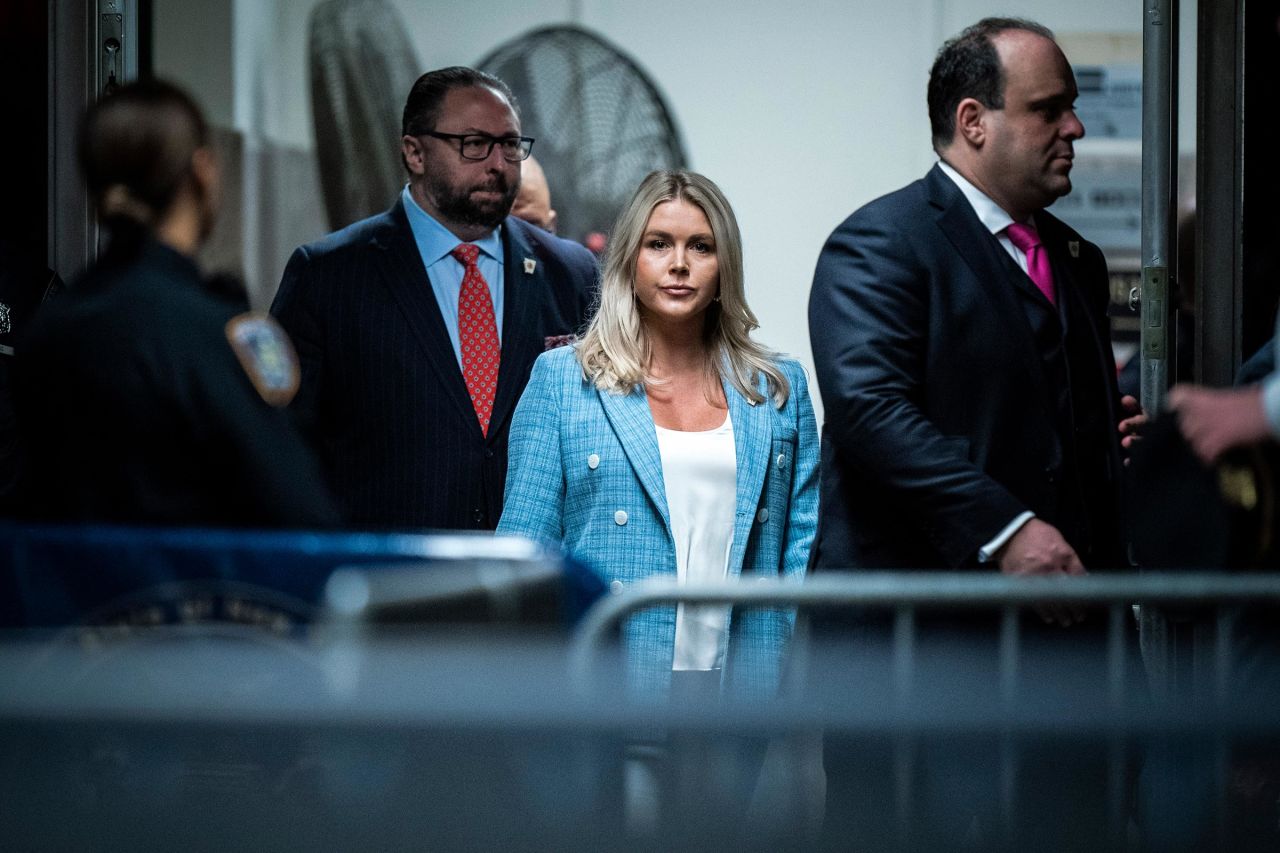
pixel 435 242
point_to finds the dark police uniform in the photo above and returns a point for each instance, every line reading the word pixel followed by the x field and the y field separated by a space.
pixel 146 397
pixel 24 284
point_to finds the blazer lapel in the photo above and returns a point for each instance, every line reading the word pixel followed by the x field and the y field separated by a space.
pixel 979 250
pixel 523 290
pixel 403 273
pixel 1065 267
pixel 1046 320
pixel 1027 288
pixel 753 441
pixel 632 423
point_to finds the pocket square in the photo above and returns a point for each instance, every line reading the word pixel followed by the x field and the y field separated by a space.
pixel 553 341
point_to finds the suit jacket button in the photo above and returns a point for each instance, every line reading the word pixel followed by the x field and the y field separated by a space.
pixel 763 515
pixel 477 515
pixel 593 461
pixel 620 517
pixel 488 453
pixel 615 587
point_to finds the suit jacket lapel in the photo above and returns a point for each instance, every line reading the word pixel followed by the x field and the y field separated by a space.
pixel 522 294
pixel 1065 267
pixel 1046 320
pixel 1023 283
pixel 753 441
pixel 980 251
pixel 405 276
pixel 632 423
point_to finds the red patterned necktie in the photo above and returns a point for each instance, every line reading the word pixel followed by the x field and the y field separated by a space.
pixel 478 334
pixel 1026 238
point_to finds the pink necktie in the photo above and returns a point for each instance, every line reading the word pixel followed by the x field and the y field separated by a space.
pixel 1026 238
pixel 478 335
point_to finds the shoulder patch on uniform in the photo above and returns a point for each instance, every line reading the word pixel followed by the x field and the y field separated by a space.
pixel 266 354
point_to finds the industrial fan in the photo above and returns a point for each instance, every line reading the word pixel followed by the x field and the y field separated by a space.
pixel 362 66
pixel 601 125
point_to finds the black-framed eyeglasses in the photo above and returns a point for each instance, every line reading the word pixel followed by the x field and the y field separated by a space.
pixel 476 146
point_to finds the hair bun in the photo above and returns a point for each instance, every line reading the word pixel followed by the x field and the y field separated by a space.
pixel 117 201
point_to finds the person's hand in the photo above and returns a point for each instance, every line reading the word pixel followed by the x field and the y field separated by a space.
pixel 1214 421
pixel 1038 549
pixel 1131 423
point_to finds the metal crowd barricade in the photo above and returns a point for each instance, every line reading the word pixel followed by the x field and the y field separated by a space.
pixel 906 595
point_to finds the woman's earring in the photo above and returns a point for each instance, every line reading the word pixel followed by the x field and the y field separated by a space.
pixel 716 298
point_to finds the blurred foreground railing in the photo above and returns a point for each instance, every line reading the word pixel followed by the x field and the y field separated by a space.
pixel 905 593
pixel 1148 765
pixel 370 730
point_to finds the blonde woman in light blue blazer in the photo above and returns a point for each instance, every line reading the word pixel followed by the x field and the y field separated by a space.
pixel 667 443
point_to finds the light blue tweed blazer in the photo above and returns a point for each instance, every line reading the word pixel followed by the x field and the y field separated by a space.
pixel 585 471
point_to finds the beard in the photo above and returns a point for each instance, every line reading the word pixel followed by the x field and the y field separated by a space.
pixel 459 205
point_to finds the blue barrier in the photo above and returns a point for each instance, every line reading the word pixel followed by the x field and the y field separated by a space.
pixel 54 575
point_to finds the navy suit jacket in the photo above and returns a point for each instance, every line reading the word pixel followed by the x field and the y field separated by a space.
pixel 956 395
pixel 382 394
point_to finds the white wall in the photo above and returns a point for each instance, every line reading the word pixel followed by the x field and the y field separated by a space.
pixel 194 51
pixel 799 124
pixel 800 111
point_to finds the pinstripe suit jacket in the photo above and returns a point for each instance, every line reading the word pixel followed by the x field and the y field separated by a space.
pixel 382 395
pixel 555 494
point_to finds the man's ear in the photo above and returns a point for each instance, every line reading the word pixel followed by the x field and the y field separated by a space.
pixel 414 154
pixel 971 124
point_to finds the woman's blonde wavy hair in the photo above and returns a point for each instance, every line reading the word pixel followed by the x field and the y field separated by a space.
pixel 615 350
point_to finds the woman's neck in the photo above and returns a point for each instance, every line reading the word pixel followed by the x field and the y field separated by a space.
pixel 676 351
pixel 687 394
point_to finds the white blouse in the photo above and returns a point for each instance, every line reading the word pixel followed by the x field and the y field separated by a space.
pixel 699 470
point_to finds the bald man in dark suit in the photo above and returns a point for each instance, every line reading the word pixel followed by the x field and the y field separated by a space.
pixel 971 414
pixel 973 421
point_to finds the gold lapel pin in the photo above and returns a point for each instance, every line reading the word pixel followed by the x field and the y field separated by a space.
pixel 1073 246
pixel 529 266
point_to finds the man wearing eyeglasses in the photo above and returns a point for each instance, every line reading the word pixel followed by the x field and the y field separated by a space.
pixel 417 328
